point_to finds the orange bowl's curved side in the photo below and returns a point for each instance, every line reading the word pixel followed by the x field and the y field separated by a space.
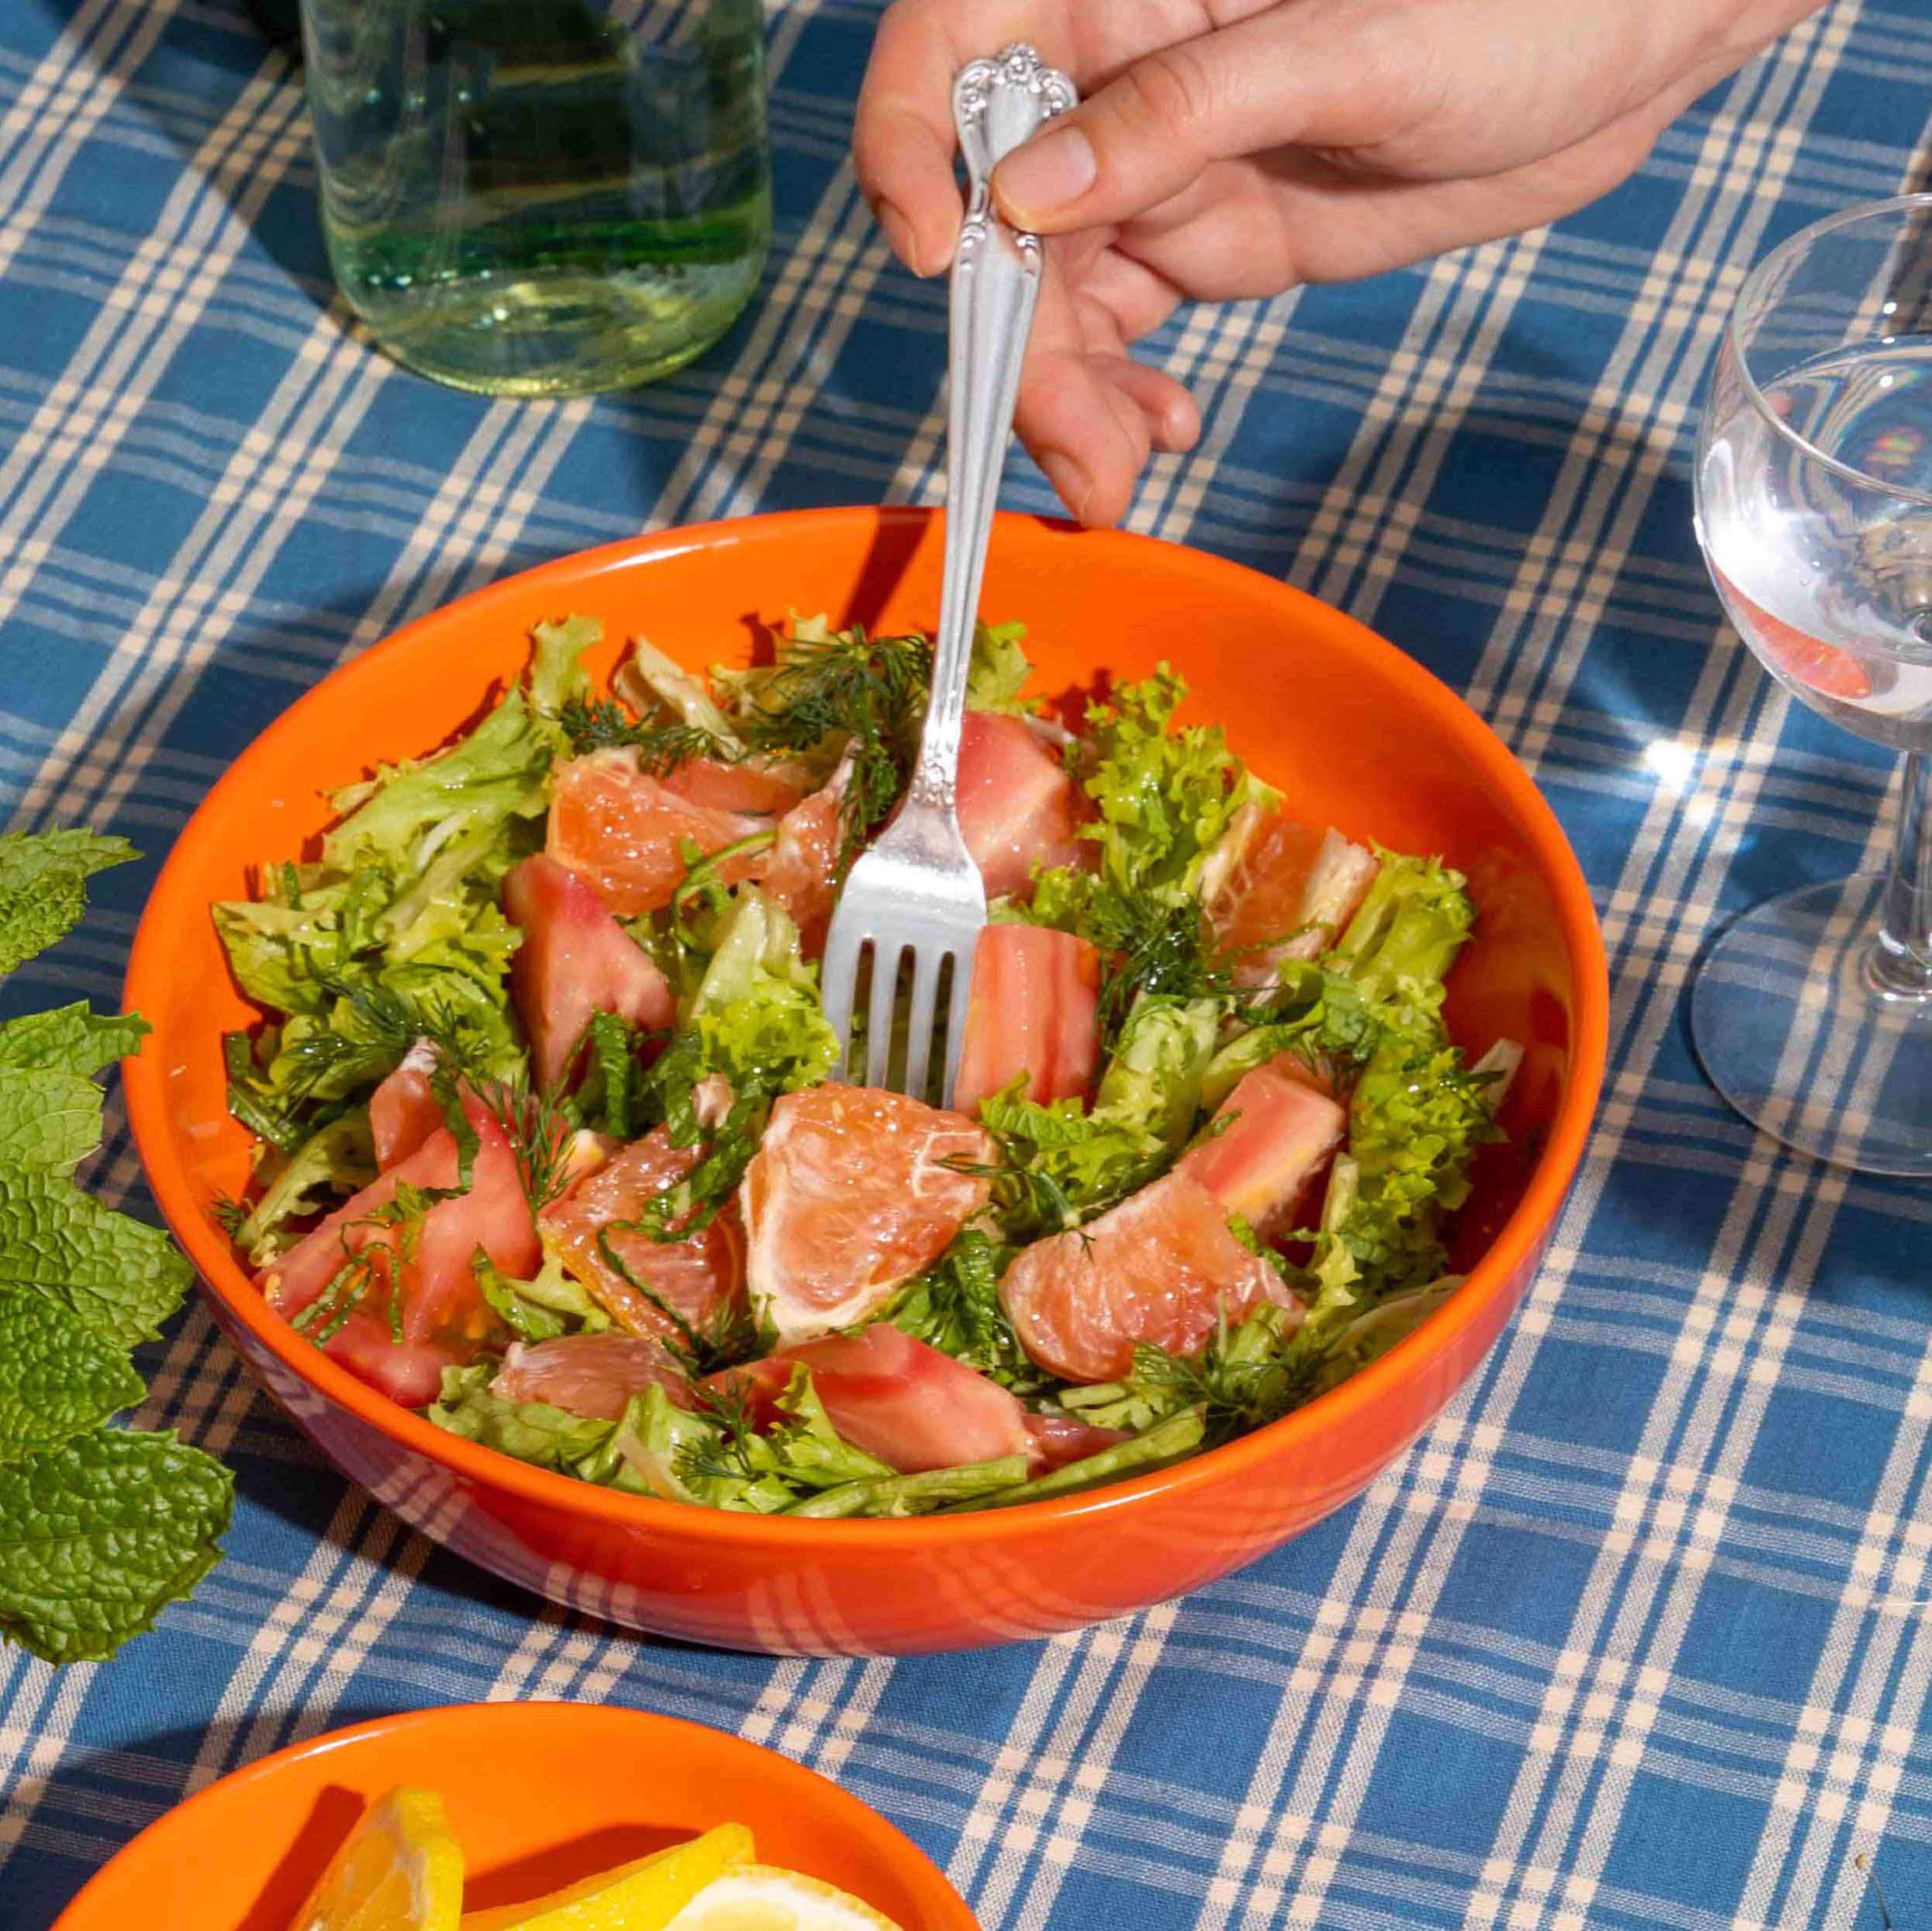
pixel 1354 733
pixel 539 1795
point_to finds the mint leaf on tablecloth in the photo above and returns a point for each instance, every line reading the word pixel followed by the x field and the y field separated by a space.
pixel 71 1039
pixel 50 1119
pixel 121 1277
pixel 57 1376
pixel 99 1536
pixel 44 887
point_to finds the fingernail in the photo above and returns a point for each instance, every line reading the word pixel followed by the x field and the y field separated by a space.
pixel 1047 172
pixel 899 233
pixel 1070 484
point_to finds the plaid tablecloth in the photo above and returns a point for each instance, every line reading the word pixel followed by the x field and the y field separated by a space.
pixel 1637 1635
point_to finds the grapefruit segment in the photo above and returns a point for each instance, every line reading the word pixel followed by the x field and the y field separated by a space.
pixel 719 786
pixel 1058 1440
pixel 590 1375
pixel 849 1194
pixel 1161 1268
pixel 801 869
pixel 1277 890
pixel 417 1307
pixel 623 831
pixel 700 1279
pixel 1035 1010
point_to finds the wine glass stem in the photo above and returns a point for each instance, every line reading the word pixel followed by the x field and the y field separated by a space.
pixel 1900 964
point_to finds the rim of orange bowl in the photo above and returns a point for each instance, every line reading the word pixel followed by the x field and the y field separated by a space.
pixel 904 1854
pixel 1533 1213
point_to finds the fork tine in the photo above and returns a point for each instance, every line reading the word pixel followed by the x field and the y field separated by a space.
pixel 878 1029
pixel 959 998
pixel 928 962
pixel 838 986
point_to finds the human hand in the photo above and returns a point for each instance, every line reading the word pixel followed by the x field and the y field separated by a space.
pixel 1230 148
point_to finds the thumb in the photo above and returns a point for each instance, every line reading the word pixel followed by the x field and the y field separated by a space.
pixel 1314 71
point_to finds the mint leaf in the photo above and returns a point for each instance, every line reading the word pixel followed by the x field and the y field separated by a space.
pixel 56 1375
pixel 99 1536
pixel 71 1039
pixel 48 1120
pixel 122 1277
pixel 43 888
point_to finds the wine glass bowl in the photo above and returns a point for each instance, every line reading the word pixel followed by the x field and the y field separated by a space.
pixel 1813 1013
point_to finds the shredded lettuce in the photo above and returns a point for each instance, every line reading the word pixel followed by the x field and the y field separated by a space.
pixel 531 1431
pixel 334 1162
pixel 999 669
pixel 1400 943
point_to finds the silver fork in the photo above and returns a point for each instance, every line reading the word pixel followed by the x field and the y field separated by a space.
pixel 917 892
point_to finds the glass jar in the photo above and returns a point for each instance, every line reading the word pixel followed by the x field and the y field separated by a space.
pixel 541 197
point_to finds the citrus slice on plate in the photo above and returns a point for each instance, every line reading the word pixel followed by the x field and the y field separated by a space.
pixel 401 1869
pixel 644 1896
pixel 760 1897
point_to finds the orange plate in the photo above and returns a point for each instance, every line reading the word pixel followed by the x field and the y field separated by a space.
pixel 539 1795
pixel 1353 731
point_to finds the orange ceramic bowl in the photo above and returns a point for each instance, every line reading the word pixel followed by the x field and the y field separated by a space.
pixel 539 1795
pixel 1354 732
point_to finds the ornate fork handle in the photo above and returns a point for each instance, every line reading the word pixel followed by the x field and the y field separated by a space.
pixel 997 104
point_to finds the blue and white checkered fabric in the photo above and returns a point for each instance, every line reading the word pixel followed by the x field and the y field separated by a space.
pixel 1637 1635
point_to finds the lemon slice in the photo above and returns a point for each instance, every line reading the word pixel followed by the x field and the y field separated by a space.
pixel 759 1898
pixel 400 1871
pixel 643 1896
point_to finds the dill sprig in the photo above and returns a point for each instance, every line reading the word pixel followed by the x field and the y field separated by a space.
pixel 870 690
pixel 660 748
pixel 1246 1377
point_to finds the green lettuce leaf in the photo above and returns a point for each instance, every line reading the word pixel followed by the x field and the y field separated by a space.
pixel 712 1455
pixel 44 887
pixel 1159 1444
pixel 999 669
pixel 98 1535
pixel 1400 943
pixel 1164 795
pixel 531 1431
pixel 335 1161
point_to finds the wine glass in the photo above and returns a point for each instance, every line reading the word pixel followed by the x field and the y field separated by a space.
pixel 1813 1014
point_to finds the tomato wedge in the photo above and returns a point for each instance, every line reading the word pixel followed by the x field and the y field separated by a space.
pixel 895 1397
pixel 1036 1011
pixel 574 960
pixel 1262 1164
pixel 418 1294
pixel 1018 807
pixel 1161 1268
pixel 851 1192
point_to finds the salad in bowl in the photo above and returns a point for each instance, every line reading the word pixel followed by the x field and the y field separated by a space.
pixel 550 1149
